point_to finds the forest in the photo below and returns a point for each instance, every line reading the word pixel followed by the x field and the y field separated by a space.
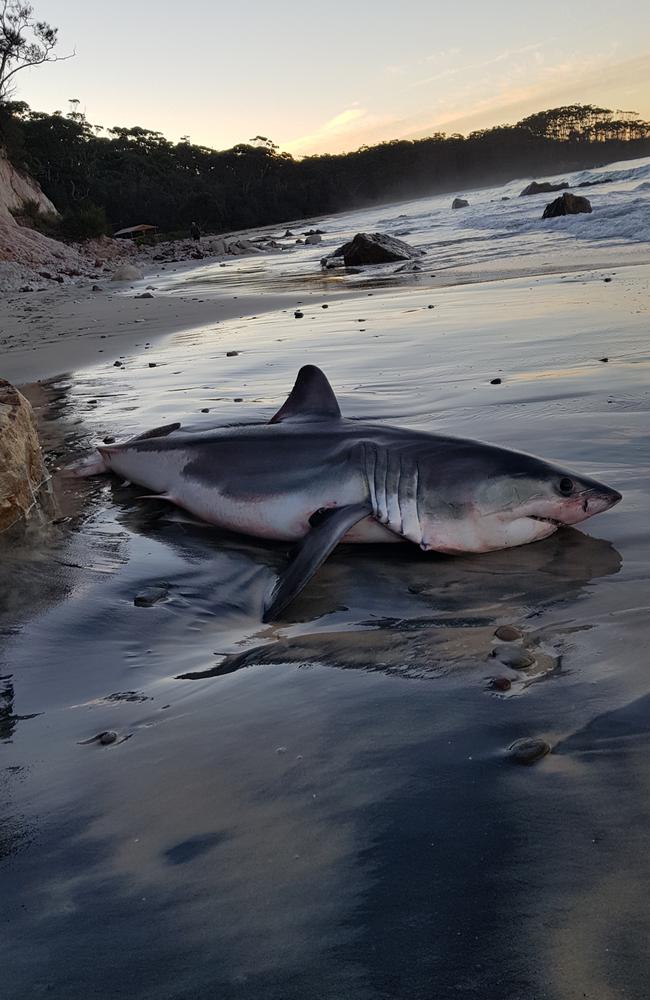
pixel 104 179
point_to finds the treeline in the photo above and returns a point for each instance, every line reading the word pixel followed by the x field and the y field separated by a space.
pixel 104 180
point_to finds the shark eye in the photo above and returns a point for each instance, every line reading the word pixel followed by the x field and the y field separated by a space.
pixel 565 486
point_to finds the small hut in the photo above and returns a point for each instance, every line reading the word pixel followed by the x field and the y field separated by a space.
pixel 134 231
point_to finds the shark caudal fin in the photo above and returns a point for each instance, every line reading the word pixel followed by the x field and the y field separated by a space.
pixel 313 552
pixel 312 398
pixel 96 465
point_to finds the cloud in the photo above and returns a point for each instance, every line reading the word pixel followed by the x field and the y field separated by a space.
pixel 516 83
pixel 345 122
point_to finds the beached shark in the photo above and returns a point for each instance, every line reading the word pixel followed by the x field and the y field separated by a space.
pixel 312 477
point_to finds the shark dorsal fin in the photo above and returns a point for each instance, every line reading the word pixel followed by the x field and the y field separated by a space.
pixel 312 398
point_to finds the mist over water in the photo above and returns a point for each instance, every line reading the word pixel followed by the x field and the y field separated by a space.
pixel 325 808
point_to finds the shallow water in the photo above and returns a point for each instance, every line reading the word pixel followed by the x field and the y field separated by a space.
pixel 325 808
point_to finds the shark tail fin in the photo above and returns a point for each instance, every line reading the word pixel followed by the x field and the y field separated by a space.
pixel 313 552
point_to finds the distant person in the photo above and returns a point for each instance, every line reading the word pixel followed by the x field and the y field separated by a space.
pixel 195 232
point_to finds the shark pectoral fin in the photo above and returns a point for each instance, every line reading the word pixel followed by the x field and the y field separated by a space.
pixel 313 552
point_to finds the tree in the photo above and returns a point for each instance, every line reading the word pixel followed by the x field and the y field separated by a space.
pixel 24 42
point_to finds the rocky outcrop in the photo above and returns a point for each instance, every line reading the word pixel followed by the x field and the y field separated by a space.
pixel 568 204
pixel 372 248
pixel 459 203
pixel 22 471
pixel 126 272
pixel 543 188
pixel 18 190
pixel 313 239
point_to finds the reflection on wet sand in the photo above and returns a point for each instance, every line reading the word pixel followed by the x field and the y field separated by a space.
pixel 324 832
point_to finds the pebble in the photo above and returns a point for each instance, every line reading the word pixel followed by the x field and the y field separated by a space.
pixel 232 354
pixel 238 399
pixel 325 306
pixel 528 750
pixel 205 410
pixel 117 364
pixel 512 656
pixel 107 738
pixel 607 279
pixel 298 314
pixel 500 684
pixel 507 633
pixel 150 596
pixel 495 381
pixel 145 295
pixel 97 288
pixel 603 359
pixel 152 364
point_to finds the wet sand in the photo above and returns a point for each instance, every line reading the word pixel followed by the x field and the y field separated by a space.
pixel 326 808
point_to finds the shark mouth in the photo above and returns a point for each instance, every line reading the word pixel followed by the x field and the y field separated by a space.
pixel 546 520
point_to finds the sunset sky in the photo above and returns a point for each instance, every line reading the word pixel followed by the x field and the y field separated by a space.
pixel 331 75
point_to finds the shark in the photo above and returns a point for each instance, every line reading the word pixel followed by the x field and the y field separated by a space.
pixel 314 478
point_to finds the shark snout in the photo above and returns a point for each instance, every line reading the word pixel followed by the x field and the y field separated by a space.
pixel 589 502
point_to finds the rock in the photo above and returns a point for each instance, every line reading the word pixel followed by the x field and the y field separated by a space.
pixel 107 738
pixel 605 360
pixel 150 596
pixel 460 203
pixel 500 684
pixel 567 204
pixel 97 288
pixel 298 314
pixel 528 750
pixel 232 354
pixel 22 471
pixel 495 381
pixel 325 306
pixel 409 266
pixel 374 248
pixel 329 263
pixel 507 633
pixel 287 234
pixel 512 656
pixel 117 364
pixel 144 295
pixel 543 188
pixel 607 280
pixel 152 364
pixel 313 239
pixel 126 272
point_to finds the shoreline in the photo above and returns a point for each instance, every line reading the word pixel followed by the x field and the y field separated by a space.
pixel 58 330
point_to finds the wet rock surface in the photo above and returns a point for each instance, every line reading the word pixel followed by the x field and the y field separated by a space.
pixel 373 248
pixel 568 204
pixel 528 750
pixel 22 470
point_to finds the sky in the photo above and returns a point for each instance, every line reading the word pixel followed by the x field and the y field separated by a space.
pixel 324 76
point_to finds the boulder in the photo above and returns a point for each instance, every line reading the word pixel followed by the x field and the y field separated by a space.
pixel 459 203
pixel 126 272
pixel 567 204
pixel 22 470
pixel 543 188
pixel 374 248
pixel 313 239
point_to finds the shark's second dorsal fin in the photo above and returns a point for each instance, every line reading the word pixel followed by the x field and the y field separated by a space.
pixel 312 398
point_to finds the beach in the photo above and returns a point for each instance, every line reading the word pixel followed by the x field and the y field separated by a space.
pixel 326 807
